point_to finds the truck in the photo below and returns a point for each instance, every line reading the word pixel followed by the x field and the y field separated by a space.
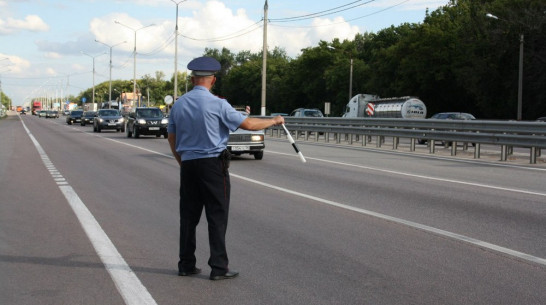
pixel 36 106
pixel 372 106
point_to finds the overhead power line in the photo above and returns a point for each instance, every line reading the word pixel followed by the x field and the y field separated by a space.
pixel 338 9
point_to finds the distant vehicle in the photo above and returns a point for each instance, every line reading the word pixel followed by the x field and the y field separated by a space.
pixel 307 113
pixel 279 113
pixel 36 106
pixel 19 108
pixel 146 121
pixel 66 112
pixel 52 114
pixel 453 116
pixel 450 116
pixel 372 106
pixel 75 116
pixel 542 119
pixel 108 119
pixel 23 112
pixel 247 142
pixel 41 113
pixel 87 117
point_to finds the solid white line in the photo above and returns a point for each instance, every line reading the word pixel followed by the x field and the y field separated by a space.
pixel 479 243
pixel 127 283
pixel 421 176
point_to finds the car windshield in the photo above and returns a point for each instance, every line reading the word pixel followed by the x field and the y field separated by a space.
pixel 76 112
pixel 149 113
pixel 89 114
pixel 109 112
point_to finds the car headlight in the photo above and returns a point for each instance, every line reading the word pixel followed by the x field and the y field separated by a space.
pixel 165 121
pixel 142 121
pixel 257 138
pixel 121 120
pixel 101 120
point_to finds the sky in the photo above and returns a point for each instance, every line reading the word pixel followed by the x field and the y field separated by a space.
pixel 49 47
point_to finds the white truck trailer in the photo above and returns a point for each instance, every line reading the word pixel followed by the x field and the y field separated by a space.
pixel 367 105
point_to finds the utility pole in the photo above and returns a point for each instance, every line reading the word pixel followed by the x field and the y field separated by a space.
pixel 175 95
pixel 264 60
pixel 110 84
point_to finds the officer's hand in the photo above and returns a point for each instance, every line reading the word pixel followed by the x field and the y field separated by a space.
pixel 278 120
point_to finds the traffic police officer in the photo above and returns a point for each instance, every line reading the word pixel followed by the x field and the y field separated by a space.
pixel 199 126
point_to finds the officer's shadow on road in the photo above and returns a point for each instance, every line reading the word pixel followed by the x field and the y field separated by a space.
pixel 71 261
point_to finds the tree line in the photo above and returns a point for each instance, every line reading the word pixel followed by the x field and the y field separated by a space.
pixel 457 59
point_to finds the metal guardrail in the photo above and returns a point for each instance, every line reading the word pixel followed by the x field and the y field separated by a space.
pixel 506 134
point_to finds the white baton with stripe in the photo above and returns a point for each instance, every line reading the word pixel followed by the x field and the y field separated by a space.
pixel 291 140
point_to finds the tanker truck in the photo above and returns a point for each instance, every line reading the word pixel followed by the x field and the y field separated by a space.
pixel 372 106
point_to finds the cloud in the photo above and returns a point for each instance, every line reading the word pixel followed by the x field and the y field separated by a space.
pixel 31 23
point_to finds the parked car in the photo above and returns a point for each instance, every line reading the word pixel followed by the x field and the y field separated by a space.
pixel 450 116
pixel 87 117
pixel 542 119
pixel 108 119
pixel 146 121
pixel 66 112
pixel 75 116
pixel 247 142
pixel 308 113
pixel 52 114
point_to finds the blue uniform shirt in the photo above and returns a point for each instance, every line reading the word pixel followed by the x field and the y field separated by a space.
pixel 202 122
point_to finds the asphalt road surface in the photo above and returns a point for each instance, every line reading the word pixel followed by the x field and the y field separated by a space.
pixel 92 218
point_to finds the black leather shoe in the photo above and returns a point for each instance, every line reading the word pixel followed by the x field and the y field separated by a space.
pixel 190 272
pixel 228 275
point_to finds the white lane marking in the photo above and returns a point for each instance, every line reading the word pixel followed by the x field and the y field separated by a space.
pixel 528 192
pixel 412 224
pixel 463 238
pixel 127 283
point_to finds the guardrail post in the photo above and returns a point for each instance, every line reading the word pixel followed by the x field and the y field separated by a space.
pixel 378 141
pixel 432 146
pixel 363 138
pixel 477 151
pixel 533 155
pixel 504 152
pixel 350 139
pixel 453 148
pixel 412 144
pixel 338 138
pixel 317 135
pixel 465 146
pixel 327 137
pixel 395 141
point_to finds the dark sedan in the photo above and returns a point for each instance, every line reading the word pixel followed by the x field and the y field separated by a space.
pixel 75 116
pixel 87 117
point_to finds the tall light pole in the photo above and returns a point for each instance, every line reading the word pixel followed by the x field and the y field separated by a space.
pixel 264 60
pixel 110 84
pixel 520 69
pixel 175 95
pixel 134 52
pixel 93 98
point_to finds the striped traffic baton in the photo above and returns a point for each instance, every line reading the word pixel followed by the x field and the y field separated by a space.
pixel 291 140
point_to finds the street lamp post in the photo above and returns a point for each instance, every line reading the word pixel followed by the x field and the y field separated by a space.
pixel 134 52
pixel 175 95
pixel 93 57
pixel 110 84
pixel 520 67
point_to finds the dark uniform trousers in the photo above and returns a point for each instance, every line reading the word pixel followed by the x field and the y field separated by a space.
pixel 204 183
